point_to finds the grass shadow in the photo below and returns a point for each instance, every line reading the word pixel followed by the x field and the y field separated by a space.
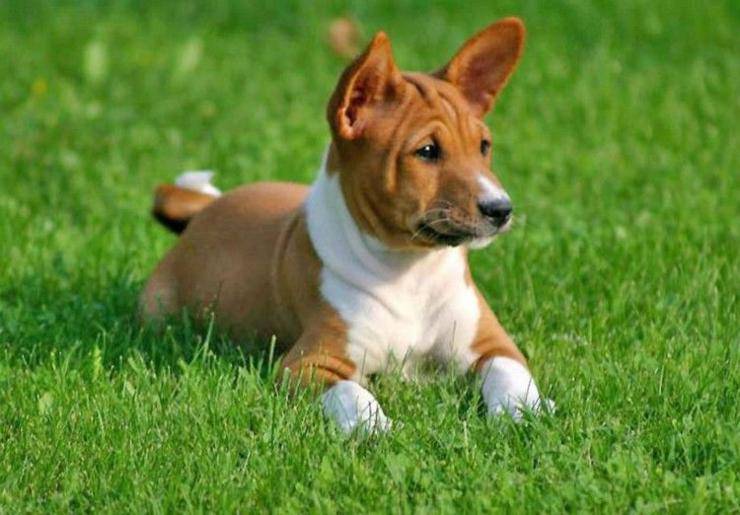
pixel 42 319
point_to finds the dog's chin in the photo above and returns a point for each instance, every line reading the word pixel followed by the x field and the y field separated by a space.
pixel 480 242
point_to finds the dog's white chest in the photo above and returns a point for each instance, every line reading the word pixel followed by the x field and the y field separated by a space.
pixel 427 311
pixel 398 307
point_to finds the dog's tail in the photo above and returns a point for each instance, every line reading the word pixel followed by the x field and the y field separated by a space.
pixel 176 204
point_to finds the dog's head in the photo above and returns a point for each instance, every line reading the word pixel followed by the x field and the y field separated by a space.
pixel 412 151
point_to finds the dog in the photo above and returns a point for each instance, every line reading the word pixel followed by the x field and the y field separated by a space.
pixel 367 268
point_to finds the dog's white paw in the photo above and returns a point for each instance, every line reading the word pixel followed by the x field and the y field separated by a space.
pixel 508 388
pixel 353 408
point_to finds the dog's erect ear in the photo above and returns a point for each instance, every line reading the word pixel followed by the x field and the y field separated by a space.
pixel 371 80
pixel 482 66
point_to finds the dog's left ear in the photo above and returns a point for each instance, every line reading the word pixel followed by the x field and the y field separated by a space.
pixel 482 66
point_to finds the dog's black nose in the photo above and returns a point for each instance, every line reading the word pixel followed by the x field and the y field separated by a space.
pixel 498 211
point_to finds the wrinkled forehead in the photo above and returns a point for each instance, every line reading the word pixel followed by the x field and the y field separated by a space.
pixel 445 102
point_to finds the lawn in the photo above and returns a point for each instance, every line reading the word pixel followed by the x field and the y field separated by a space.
pixel 617 139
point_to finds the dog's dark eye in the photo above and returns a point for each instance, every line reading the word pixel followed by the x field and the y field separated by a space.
pixel 485 146
pixel 430 152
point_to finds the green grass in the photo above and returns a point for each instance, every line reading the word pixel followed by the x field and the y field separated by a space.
pixel 617 139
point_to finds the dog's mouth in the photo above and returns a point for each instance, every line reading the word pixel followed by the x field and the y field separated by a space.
pixel 449 237
pixel 445 231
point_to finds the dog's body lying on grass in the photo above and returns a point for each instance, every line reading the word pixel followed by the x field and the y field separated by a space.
pixel 368 266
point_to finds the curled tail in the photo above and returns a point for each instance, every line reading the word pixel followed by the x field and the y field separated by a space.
pixel 176 204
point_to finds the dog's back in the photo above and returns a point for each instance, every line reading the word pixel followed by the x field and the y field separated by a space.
pixel 226 252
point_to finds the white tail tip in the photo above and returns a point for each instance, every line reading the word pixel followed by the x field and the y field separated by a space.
pixel 198 180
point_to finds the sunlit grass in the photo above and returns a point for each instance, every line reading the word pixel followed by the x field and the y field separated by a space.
pixel 616 139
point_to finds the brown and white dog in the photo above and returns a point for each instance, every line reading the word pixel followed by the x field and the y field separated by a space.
pixel 367 267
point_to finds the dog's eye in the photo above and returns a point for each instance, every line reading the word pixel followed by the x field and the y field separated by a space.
pixel 430 152
pixel 485 146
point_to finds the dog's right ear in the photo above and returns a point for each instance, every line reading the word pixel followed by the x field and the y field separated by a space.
pixel 371 80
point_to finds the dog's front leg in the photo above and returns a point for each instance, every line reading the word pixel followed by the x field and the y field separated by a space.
pixel 508 386
pixel 318 360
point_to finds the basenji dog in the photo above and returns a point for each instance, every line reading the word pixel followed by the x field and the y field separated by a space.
pixel 367 268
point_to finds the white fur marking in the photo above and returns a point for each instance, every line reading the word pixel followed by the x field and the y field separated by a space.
pixel 508 387
pixel 479 243
pixel 354 408
pixel 399 306
pixel 489 191
pixel 198 180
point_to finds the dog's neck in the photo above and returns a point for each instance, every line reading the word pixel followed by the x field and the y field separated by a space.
pixel 353 255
